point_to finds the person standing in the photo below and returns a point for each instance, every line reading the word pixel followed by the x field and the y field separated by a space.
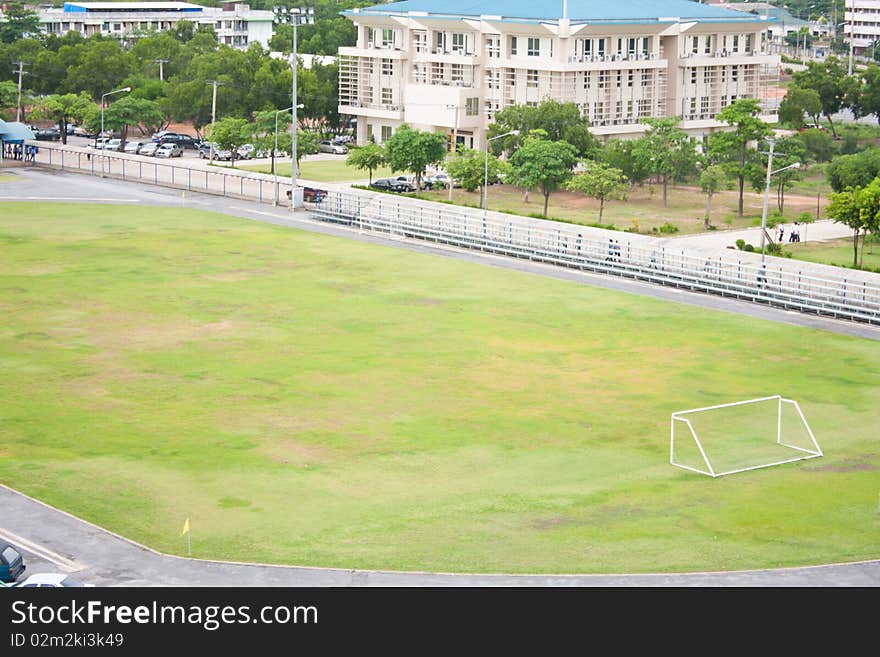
pixel 781 232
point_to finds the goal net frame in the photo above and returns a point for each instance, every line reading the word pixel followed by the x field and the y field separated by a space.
pixel 679 416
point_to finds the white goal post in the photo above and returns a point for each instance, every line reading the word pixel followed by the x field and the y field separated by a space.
pixel 780 450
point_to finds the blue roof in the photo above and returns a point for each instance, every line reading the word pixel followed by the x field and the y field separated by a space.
pixel 578 10
pixel 14 132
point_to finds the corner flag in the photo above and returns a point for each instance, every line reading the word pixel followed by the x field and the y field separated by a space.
pixel 185 527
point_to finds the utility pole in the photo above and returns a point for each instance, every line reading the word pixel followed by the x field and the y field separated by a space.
pixel 18 105
pixel 161 63
pixel 214 83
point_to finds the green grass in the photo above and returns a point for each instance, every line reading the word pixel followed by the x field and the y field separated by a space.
pixel 335 170
pixel 312 400
pixel 836 252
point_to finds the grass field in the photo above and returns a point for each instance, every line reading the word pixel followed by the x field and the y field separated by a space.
pixel 836 252
pixel 313 400
pixel 335 170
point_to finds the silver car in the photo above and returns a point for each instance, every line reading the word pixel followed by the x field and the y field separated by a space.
pixel 169 150
pixel 133 147
pixel 149 149
pixel 328 146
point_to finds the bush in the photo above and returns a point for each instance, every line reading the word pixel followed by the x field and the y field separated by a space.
pixel 749 248
pixel 741 244
pixel 806 218
pixel 668 228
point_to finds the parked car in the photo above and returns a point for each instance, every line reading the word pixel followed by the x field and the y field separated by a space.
pixel 133 147
pixel 149 149
pixel 81 131
pixel 390 185
pixel 245 151
pixel 113 144
pixel 204 149
pixel 409 182
pixel 50 581
pixel 184 141
pixel 168 150
pixel 159 136
pixel 312 195
pixel 328 146
pixel 11 562
pixel 47 134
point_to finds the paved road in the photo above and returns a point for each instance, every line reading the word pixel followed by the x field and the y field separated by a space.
pixel 721 240
pixel 54 540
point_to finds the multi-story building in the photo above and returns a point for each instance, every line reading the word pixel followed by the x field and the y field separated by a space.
pixel 235 24
pixel 862 25
pixel 450 65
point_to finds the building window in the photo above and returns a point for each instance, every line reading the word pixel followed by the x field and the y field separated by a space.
pixel 386 132
pixel 619 78
pixel 693 76
pixel 707 74
pixel 387 38
pixel 386 96
pixel 493 46
pixel 693 106
pixel 695 45
pixel 513 45
pixel 603 77
pixel 736 43
pixel 456 72
pixel 458 42
pixel 707 49
pixel 600 47
pixel 587 81
pixel 420 39
pixel 534 47
pixel 440 41
pixel 629 79
pixel 748 43
pixel 420 74
pixel 704 105
pixel 631 46
pixel 387 67
pixel 472 106
pixel 532 78
pixel 734 73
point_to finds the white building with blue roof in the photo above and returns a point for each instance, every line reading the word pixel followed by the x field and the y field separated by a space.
pixel 450 65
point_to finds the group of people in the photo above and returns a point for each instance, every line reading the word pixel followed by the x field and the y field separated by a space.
pixel 22 152
pixel 794 235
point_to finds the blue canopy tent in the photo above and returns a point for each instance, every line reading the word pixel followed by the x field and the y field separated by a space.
pixel 12 135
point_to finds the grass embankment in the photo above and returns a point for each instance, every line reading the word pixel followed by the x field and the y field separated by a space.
pixel 314 400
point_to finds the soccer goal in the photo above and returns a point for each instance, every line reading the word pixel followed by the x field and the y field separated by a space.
pixel 745 435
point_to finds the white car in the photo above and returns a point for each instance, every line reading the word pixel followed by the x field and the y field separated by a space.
pixel 50 581
pixel 169 150
pixel 328 146
pixel 133 147
pixel 149 149
pixel 245 151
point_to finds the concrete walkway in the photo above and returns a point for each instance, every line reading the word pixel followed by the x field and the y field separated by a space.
pixel 721 240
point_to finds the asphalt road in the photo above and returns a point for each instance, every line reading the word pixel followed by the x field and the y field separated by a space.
pixel 54 541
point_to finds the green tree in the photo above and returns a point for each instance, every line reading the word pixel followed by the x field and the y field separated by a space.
pixel 731 149
pixel 829 79
pixel 601 182
pixel 413 151
pixel 559 121
pixel 8 98
pixel 818 144
pixel 19 21
pixel 622 154
pixel 787 151
pixel 859 209
pixel 471 168
pixel 130 111
pixel 867 100
pixel 543 164
pixel 101 66
pixel 62 108
pixel 306 144
pixel 230 133
pixel 712 180
pixel 368 157
pixel 666 151
pixel 798 102
pixel 853 171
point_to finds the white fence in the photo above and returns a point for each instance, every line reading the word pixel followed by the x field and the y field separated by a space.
pixel 781 283
pixel 790 284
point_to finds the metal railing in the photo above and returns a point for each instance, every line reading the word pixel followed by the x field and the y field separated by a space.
pixel 790 284
pixel 782 283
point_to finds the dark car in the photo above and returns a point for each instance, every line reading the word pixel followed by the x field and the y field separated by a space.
pixel 312 195
pixel 390 185
pixel 184 141
pixel 47 134
pixel 11 563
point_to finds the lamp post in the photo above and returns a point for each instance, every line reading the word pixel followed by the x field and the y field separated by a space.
pixel 454 140
pixel 274 150
pixel 295 16
pixel 770 172
pixel 104 144
pixel 486 168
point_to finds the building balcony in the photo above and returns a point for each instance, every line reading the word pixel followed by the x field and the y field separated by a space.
pixel 446 57
pixel 377 110
pixel 374 53
pixel 725 58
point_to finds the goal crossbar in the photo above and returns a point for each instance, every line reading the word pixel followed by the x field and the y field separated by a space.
pixel 679 416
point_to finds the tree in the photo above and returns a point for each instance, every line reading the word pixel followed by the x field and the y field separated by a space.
pixel 543 164
pixel 472 168
pixel 368 158
pixel 858 208
pixel 869 211
pixel 731 149
pixel 229 133
pixel 666 150
pixel 8 98
pixel 712 180
pixel 101 66
pixel 830 81
pixel 798 102
pixel 867 100
pixel 413 151
pixel 20 21
pixel 622 154
pixel 601 182
pixel 560 122
pixel 854 171
pixel 817 144
pixel 131 111
pixel 62 108
pixel 306 144
pixel 787 151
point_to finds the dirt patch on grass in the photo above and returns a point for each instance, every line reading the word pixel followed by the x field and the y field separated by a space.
pixel 295 452
pixel 549 523
pixel 861 464
pixel 124 331
pixel 236 275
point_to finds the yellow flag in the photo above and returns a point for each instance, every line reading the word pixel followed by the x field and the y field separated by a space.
pixel 185 527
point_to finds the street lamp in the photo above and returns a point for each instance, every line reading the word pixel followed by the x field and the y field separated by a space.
pixel 274 150
pixel 104 144
pixel 295 16
pixel 486 168
pixel 770 172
